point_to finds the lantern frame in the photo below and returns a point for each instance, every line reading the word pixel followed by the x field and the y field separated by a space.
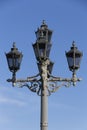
pixel 74 57
pixel 14 58
pixel 42 50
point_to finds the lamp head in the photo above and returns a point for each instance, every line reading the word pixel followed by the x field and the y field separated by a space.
pixel 42 46
pixel 74 57
pixel 14 58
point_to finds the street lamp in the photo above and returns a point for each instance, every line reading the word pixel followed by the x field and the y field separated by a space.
pixel 44 83
pixel 14 58
pixel 73 58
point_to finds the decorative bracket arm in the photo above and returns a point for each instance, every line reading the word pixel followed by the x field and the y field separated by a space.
pixel 72 80
pixel 34 83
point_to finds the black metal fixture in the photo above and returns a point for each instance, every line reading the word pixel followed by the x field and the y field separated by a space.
pixel 42 46
pixel 44 83
pixel 74 57
pixel 14 58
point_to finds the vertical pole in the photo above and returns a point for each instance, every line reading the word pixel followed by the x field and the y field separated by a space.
pixel 44 99
pixel 44 110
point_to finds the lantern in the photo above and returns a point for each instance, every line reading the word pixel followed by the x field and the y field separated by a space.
pixel 42 46
pixel 74 58
pixel 14 58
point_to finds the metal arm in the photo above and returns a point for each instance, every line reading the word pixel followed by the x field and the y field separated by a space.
pixel 53 83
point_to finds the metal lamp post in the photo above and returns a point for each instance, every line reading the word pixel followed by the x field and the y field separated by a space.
pixel 43 83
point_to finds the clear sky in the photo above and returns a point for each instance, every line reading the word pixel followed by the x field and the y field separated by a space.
pixel 20 108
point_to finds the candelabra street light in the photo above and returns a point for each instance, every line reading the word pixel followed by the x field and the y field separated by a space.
pixel 43 83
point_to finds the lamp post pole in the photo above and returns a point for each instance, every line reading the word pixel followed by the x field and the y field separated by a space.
pixel 44 98
pixel 44 110
pixel 44 83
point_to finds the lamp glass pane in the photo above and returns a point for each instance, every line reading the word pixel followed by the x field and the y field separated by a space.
pixel 17 62
pixel 42 49
pixel 14 62
pixel 48 49
pixel 49 36
pixel 74 63
pixel 77 61
pixel 35 50
pixel 10 62
pixel 70 61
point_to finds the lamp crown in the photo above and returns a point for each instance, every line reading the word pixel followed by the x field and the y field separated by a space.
pixel 73 45
pixel 44 25
pixel 43 34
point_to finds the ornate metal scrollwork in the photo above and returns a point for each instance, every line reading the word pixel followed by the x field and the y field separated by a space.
pixel 53 83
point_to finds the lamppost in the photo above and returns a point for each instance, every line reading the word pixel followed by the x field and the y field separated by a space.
pixel 43 83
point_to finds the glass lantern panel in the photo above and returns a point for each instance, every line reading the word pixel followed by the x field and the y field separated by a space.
pixel 73 63
pixel 35 47
pixel 17 62
pixel 49 36
pixel 42 49
pixel 77 61
pixel 70 61
pixel 48 49
pixel 10 62
pixel 14 63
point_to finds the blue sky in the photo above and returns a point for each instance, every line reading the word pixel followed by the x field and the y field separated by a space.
pixel 19 19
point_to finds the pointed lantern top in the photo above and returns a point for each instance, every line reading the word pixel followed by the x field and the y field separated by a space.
pixel 43 34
